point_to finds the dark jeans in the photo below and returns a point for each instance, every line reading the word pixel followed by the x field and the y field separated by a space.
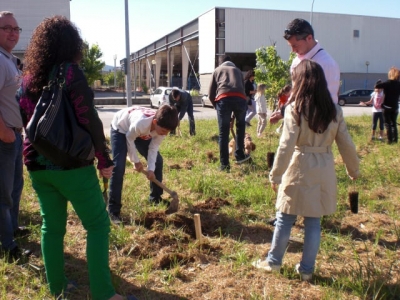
pixel 11 184
pixel 189 111
pixel 390 118
pixel 225 107
pixel 119 151
pixel 375 117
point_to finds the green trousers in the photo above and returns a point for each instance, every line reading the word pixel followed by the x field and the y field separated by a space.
pixel 80 187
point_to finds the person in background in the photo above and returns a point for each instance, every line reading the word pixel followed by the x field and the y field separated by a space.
pixel 183 102
pixel 376 101
pixel 11 166
pixel 138 129
pixel 226 93
pixel 283 97
pixel 250 90
pixel 304 166
pixel 54 42
pixel 261 108
pixel 300 37
pixel 391 89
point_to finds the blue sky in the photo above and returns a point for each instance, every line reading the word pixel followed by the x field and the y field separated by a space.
pixel 103 21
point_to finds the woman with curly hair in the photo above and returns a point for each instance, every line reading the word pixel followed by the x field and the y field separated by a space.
pixel 54 42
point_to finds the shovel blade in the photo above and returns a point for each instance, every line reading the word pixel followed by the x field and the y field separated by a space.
pixel 173 206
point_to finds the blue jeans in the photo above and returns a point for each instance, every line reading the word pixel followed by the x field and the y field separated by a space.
pixel 189 111
pixel 119 151
pixel 225 107
pixel 251 111
pixel 312 237
pixel 11 184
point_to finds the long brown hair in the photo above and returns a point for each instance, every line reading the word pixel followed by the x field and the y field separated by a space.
pixel 311 96
pixel 54 41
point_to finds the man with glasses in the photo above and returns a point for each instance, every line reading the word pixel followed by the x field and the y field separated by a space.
pixel 300 37
pixel 11 179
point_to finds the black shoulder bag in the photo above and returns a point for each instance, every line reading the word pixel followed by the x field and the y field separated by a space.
pixel 54 130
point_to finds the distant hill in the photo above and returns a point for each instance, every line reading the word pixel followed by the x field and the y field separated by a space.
pixel 108 68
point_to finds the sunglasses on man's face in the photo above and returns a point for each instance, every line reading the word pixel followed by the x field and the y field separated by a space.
pixel 291 32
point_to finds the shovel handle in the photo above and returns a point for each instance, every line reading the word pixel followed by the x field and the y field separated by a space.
pixel 161 185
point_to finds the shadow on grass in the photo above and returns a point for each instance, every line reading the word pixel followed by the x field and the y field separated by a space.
pixel 76 270
pixel 356 234
pixel 214 223
pixel 374 289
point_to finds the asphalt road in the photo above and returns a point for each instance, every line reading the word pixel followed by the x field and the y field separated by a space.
pixel 106 113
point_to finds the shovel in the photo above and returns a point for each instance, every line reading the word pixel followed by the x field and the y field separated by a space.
pixel 174 204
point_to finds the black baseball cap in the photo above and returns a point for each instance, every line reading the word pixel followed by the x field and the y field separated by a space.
pixel 298 27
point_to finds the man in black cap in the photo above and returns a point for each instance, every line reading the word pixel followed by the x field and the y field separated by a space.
pixel 300 37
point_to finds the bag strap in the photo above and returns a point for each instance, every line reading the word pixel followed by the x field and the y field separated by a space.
pixel 57 75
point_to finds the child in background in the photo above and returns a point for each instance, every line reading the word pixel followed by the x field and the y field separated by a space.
pixel 376 100
pixel 304 166
pixel 138 129
pixel 261 108
pixel 283 97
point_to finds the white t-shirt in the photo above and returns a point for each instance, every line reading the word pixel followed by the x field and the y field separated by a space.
pixel 377 100
pixel 135 122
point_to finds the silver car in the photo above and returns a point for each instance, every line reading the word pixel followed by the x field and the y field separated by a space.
pixel 205 101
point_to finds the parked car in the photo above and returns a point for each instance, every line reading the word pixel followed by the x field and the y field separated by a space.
pixel 205 101
pixel 160 96
pixel 355 96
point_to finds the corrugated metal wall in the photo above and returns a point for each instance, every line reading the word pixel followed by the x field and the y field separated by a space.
pixel 30 13
pixel 249 29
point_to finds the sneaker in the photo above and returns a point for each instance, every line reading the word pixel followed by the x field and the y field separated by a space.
pixel 303 276
pixel 246 158
pixel 264 265
pixel 226 168
pixel 372 138
pixel 21 231
pixel 71 287
pixel 157 201
pixel 380 138
pixel 115 219
pixel 17 253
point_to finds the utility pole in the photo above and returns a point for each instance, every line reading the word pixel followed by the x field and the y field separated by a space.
pixel 115 71
pixel 128 58
pixel 312 6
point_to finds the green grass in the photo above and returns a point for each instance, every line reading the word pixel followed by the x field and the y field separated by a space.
pixel 358 257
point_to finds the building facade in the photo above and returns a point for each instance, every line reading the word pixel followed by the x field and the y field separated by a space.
pixel 30 13
pixel 187 56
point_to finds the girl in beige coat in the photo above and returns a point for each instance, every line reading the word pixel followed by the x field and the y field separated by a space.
pixel 304 165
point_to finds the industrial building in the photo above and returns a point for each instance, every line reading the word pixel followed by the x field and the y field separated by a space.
pixel 29 15
pixel 187 56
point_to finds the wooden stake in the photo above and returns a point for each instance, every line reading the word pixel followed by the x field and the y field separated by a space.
pixel 197 227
